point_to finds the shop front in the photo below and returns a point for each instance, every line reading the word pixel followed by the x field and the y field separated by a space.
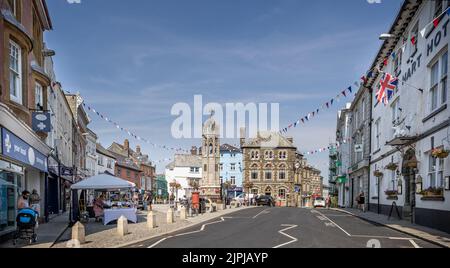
pixel 22 167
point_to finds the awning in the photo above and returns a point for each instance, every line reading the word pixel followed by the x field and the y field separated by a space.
pixel 103 182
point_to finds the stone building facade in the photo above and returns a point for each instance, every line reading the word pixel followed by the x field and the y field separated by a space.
pixel 210 186
pixel 269 166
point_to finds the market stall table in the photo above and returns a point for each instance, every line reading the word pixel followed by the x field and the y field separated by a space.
pixel 115 214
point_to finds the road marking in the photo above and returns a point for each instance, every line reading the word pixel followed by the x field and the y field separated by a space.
pixel 155 244
pixel 411 240
pixel 414 243
pixel 266 211
pixel 222 219
pixel 342 229
pixel 289 227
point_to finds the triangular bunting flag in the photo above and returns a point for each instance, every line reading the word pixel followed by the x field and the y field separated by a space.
pixel 422 33
pixel 332 101
pixel 328 105
pixel 393 55
pixel 404 47
pixel 436 22
pixel 448 11
pixel 350 89
pixel 385 62
pixel 343 93
pixel 413 40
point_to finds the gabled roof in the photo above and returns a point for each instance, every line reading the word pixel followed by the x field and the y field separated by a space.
pixel 268 139
pixel 186 160
pixel 226 148
pixel 103 151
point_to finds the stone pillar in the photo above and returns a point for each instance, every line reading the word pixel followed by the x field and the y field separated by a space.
pixel 170 216
pixel 78 233
pixel 122 226
pixel 151 220
pixel 183 213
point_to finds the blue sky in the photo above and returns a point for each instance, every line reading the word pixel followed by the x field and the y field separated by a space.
pixel 132 60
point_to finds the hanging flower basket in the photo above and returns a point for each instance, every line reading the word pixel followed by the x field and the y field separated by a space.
pixel 440 153
pixel 391 193
pixel 378 174
pixel 392 166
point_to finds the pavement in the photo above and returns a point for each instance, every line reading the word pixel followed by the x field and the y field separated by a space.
pixel 431 235
pixel 285 228
pixel 47 234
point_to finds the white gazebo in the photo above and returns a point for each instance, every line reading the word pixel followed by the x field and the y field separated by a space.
pixel 103 182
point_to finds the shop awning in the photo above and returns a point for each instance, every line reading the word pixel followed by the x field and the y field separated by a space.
pixel 103 182
pixel 5 183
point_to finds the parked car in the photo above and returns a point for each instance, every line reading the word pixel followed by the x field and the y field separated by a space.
pixel 319 202
pixel 265 200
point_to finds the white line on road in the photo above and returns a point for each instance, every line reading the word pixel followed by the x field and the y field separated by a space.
pixel 222 219
pixel 411 240
pixel 266 211
pixel 291 237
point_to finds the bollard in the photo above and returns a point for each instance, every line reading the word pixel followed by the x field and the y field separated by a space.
pixel 170 217
pixel 122 226
pixel 183 213
pixel 151 220
pixel 78 233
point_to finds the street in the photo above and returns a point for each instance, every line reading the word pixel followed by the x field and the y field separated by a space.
pixel 286 228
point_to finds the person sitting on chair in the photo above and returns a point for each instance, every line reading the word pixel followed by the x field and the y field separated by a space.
pixel 99 206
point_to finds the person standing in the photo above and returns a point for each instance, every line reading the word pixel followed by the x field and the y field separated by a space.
pixel 361 200
pixel 23 201
pixel 35 201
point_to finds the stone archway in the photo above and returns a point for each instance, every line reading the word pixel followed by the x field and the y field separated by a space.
pixel 268 191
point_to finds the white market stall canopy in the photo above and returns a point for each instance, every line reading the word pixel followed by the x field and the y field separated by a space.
pixel 103 182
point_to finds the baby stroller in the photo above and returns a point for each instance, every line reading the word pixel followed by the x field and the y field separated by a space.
pixel 26 224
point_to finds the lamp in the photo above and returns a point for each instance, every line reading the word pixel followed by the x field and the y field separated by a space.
pixel 386 36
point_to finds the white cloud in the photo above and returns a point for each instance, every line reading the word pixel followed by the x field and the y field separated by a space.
pixel 74 1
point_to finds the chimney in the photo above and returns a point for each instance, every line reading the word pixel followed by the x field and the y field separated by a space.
pixel 242 136
pixel 194 150
pixel 138 149
pixel 126 144
pixel 200 151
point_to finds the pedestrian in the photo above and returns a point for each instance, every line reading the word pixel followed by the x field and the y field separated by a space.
pixel 328 202
pixel 361 200
pixel 150 200
pixel 23 201
pixel 35 201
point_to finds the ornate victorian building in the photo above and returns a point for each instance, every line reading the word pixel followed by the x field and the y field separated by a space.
pixel 269 166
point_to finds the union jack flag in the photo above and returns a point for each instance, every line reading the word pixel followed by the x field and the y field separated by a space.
pixel 387 86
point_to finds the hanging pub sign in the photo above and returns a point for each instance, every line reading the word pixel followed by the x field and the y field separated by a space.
pixel 41 122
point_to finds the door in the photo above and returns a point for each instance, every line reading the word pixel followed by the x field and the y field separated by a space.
pixel 53 193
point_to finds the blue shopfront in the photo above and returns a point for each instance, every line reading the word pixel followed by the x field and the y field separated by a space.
pixel 22 167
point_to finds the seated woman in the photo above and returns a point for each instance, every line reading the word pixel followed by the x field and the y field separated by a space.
pixel 99 206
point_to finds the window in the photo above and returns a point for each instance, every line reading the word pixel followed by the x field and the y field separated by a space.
pixel 363 104
pixel 233 180
pixel 119 171
pixel 13 6
pixel 282 175
pixel 268 175
pixel 100 161
pixel 282 193
pixel 110 164
pixel 15 72
pixel 436 172
pixel 233 167
pixel 254 175
pixel 39 97
pixel 377 134
pixel 439 87
pixel 205 168
pixel 128 174
pixel 398 62
pixel 444 72
pixel 282 155
pixel 438 8
pixel 268 155
pixel 396 112
pixel 254 155
pixel 356 118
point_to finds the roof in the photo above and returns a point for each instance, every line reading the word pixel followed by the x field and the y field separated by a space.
pixel 103 151
pixel 125 162
pixel 103 182
pixel 185 160
pixel 268 139
pixel 401 22
pixel 226 148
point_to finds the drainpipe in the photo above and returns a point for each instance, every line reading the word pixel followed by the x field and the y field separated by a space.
pixel 370 150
